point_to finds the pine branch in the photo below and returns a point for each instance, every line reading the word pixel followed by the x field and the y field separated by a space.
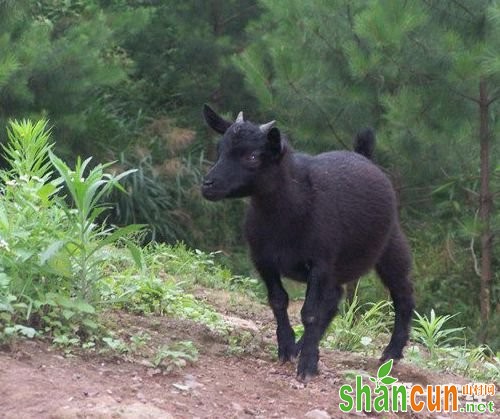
pixel 465 9
pixel 493 99
pixel 351 24
pixel 322 110
pixel 237 15
pixel 471 98
pixel 446 11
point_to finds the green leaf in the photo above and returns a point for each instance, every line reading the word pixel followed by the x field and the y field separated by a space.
pixel 84 307
pixel 136 253
pixel 29 332
pixel 385 369
pixel 67 314
pixel 50 251
pixel 120 232
pixel 90 324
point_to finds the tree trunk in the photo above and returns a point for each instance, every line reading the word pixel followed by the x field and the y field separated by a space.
pixel 485 209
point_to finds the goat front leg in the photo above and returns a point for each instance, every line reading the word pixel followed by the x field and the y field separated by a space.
pixel 320 306
pixel 278 300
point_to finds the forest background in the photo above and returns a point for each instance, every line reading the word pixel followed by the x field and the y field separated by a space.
pixel 125 80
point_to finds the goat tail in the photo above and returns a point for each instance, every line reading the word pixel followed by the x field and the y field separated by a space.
pixel 364 142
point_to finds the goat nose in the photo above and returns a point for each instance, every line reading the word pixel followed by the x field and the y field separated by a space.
pixel 208 182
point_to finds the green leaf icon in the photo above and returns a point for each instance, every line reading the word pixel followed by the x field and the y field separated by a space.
pixel 384 369
pixel 388 380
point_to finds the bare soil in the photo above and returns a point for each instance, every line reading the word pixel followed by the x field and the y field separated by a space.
pixel 39 381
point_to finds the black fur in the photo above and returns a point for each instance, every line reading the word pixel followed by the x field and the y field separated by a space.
pixel 324 220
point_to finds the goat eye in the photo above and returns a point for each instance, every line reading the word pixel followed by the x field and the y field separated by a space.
pixel 253 157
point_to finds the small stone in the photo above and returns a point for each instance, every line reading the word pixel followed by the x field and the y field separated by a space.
pixel 151 372
pixel 181 387
pixel 249 411
pixel 239 323
pixel 237 406
pixel 317 414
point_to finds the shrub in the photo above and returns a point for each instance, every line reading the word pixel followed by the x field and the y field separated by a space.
pixel 49 256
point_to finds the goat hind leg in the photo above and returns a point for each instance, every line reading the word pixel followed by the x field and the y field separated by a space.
pixel 393 269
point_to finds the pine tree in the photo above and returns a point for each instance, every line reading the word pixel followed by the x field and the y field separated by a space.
pixel 58 58
pixel 446 53
pixel 426 74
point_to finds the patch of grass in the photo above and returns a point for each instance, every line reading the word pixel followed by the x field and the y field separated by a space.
pixel 175 356
pixel 432 333
pixel 199 268
pixel 357 327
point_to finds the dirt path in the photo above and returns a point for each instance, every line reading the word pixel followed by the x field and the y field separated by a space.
pixel 38 382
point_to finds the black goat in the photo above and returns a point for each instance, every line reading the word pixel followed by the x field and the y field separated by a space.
pixel 324 220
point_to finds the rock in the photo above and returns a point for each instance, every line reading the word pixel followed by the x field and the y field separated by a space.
pixel 237 407
pixel 238 323
pixel 190 383
pixel 317 414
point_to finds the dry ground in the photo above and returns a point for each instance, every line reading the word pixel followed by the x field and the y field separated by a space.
pixel 38 381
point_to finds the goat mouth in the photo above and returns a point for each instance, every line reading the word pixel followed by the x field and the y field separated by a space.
pixel 212 194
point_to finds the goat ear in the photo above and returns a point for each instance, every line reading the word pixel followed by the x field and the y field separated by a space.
pixel 214 121
pixel 274 141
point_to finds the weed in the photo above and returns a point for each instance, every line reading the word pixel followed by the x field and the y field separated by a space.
pixel 50 254
pixel 175 356
pixel 432 333
pixel 357 326
pixel 116 344
pixel 87 188
pixel 139 340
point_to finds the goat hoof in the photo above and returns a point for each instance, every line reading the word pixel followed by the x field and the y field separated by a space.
pixel 307 368
pixel 305 378
pixel 386 356
pixel 287 354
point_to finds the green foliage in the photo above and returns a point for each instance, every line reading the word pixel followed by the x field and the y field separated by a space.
pixel 58 58
pixel 87 188
pixel 148 201
pixel 358 326
pixel 182 55
pixel 175 356
pixel 477 363
pixel 28 148
pixel 432 333
pixel 49 255
pixel 166 283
